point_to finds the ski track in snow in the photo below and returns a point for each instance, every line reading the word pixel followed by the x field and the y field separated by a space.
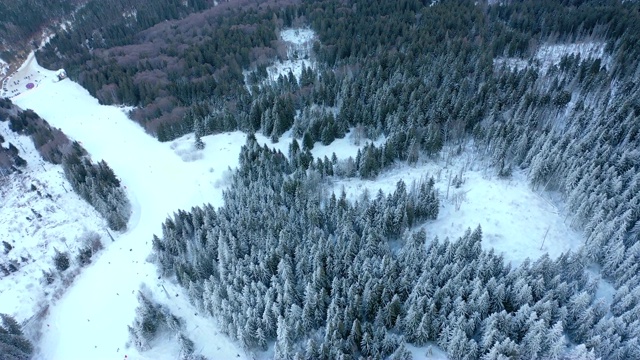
pixel 64 218
pixel 90 320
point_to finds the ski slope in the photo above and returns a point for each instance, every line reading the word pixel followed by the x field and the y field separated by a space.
pixel 90 320
pixel 62 219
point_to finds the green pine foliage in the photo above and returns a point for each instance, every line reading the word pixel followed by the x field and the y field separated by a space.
pixel 99 186
pixel 13 345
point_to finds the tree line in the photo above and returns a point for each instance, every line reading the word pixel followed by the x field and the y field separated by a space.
pixel 94 182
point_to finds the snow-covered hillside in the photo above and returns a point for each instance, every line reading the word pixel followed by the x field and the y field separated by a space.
pixel 160 178
pixel 38 213
pixel 91 319
pixel 515 220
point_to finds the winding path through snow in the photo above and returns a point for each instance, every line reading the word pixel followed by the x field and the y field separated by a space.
pixel 90 320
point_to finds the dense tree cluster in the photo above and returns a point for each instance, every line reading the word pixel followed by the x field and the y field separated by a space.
pixel 10 159
pixel 13 345
pixel 99 186
pixel 49 141
pixel 61 260
pixel 588 151
pixel 153 320
pixel 572 126
pixel 326 278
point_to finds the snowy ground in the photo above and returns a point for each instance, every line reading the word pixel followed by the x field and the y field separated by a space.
pixel 428 352
pixel 226 144
pixel 159 178
pixel 515 220
pixel 4 67
pixel 90 320
pixel 548 55
pixel 65 217
pixel 343 148
pixel 302 37
pixel 16 83
pixel 299 43
pixel 283 68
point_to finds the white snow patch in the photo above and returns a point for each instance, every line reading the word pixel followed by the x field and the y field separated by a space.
pixel 130 14
pixel 548 55
pixel 90 321
pixel 46 37
pixel 343 148
pixel 431 351
pixel 4 67
pixel 298 36
pixel 66 25
pixel 28 73
pixel 299 43
pixel 551 54
pixel 216 146
pixel 605 290
pixel 284 67
pixel 515 220
pixel 513 64
pixel 64 217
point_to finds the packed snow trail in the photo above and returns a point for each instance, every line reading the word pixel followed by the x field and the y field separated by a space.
pixel 90 320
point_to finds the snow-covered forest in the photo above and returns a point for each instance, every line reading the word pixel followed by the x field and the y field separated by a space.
pixel 285 262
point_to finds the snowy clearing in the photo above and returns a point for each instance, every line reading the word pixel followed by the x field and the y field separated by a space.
pixel 428 352
pixel 343 148
pixel 226 145
pixel 34 222
pixel 298 36
pixel 548 55
pixel 515 220
pixel 103 298
pixel 284 67
pixel 299 43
